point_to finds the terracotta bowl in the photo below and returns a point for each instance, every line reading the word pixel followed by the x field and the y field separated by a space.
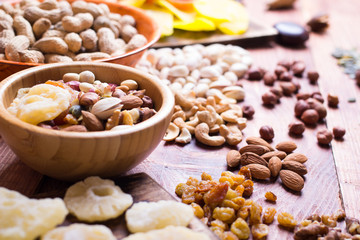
pixel 145 25
pixel 75 155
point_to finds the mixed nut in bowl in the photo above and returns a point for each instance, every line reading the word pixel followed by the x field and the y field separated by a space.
pixel 34 32
pixel 75 154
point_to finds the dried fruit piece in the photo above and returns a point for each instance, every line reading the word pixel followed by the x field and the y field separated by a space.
pixel 146 216
pixel 286 220
pixel 22 218
pixel 170 232
pixel 269 215
pixel 240 228
pixel 259 231
pixel 96 199
pixel 80 231
pixel 224 214
pixel 270 196
pixel 255 213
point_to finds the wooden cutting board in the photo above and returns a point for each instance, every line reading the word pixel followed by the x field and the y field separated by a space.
pixel 141 187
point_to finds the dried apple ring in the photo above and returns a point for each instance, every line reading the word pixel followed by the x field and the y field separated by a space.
pixel 96 199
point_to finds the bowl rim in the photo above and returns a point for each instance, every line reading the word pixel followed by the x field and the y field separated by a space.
pixel 155 35
pixel 164 111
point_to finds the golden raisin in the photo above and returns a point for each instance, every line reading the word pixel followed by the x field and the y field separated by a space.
pixel 328 221
pixel 205 186
pixel 205 176
pixel 270 196
pixel 238 179
pixel 240 190
pixel 228 180
pixel 246 172
pixel 207 211
pixel 227 174
pixel 228 235
pixel 192 181
pixel 216 195
pixel 248 188
pixel 339 215
pixel 230 194
pixel 198 211
pixel 225 214
pixel 244 212
pixel 255 213
pixel 230 204
pixel 286 220
pixel 240 228
pixel 219 224
pixel 269 215
pixel 259 231
pixel 218 231
pixel 305 223
pixel 188 195
pixel 180 189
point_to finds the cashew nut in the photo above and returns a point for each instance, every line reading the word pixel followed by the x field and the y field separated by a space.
pixel 179 114
pixel 181 124
pixel 184 137
pixel 191 112
pixel 181 100
pixel 194 121
pixel 232 134
pixel 202 135
pixel 172 132
pixel 231 115
pixel 241 123
pixel 234 92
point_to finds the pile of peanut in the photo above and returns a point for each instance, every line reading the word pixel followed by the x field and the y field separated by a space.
pixel 204 80
pixel 57 31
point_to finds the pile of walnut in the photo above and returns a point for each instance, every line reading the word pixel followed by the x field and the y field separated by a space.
pixel 265 162
pixel 204 80
pixel 52 31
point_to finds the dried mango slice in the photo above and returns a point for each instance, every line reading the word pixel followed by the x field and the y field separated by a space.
pixel 96 199
pixel 135 3
pixel 22 218
pixel 146 216
pixel 233 28
pixel 80 231
pixel 43 102
pixel 183 16
pixel 199 24
pixel 169 233
pixel 163 18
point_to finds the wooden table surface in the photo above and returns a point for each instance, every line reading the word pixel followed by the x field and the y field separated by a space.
pixel 333 181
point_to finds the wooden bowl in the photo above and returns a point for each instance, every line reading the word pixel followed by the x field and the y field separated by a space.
pixel 145 25
pixel 74 155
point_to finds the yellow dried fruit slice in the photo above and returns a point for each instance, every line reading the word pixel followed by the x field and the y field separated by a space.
pixel 163 18
pixel 96 199
pixel 183 16
pixel 80 231
pixel 146 216
pixel 135 3
pixel 169 233
pixel 43 102
pixel 22 218
pixel 199 24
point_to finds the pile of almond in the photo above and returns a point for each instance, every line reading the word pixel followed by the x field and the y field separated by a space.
pixel 265 162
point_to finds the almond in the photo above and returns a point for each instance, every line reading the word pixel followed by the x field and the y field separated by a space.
pixel 268 155
pixel 259 141
pixel 257 149
pixel 298 157
pixel 275 165
pixel 286 146
pixel 249 158
pixel 292 180
pixel 233 158
pixel 259 171
pixel 75 128
pixel 130 102
pixel 294 166
pixel 92 123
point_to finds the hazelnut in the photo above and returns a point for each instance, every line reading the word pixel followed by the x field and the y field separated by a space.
pixel 269 98
pixel 248 111
pixel 320 108
pixel 357 77
pixel 269 79
pixel 286 64
pixel 298 68
pixel 277 91
pixel 279 70
pixel 324 136
pixel 266 133
pixel 339 132
pixel 147 102
pixel 286 76
pixel 313 76
pixel 318 96
pixel 296 128
pixel 254 74
pixel 300 107
pixel 288 88
pixel 333 100
pixel 303 96
pixel 89 98
pixel 318 23
pixel 310 116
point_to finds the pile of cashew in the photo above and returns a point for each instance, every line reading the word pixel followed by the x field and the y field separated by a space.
pixel 203 80
pixel 57 31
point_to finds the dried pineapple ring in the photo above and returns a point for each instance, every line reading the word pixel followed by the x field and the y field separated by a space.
pixel 169 233
pixel 96 199
pixel 43 102
pixel 80 231
pixel 22 218
pixel 146 216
